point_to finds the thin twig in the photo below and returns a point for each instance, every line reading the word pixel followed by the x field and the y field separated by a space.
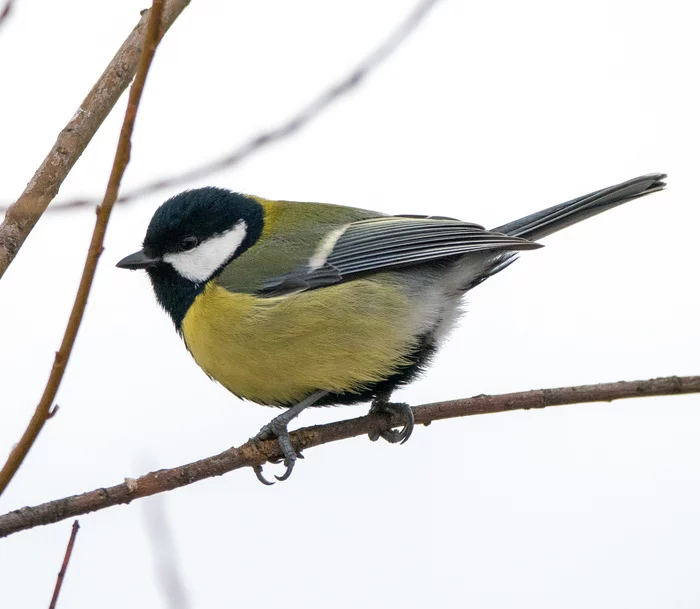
pixel 6 10
pixel 289 127
pixel 121 159
pixel 21 217
pixel 258 452
pixel 64 566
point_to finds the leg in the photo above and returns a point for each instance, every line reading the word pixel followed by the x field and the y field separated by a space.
pixel 277 428
pixel 382 405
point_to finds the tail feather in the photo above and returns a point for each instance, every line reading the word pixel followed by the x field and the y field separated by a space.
pixel 548 221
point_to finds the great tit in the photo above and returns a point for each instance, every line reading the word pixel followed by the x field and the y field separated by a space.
pixel 295 304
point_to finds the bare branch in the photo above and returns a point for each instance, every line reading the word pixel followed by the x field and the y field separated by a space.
pixel 258 452
pixel 64 566
pixel 121 159
pixel 22 216
pixel 288 128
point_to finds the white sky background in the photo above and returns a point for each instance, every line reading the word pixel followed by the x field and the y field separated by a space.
pixel 489 112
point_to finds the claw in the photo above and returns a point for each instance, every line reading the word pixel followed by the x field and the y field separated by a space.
pixel 289 464
pixel 394 436
pixel 260 476
pixel 277 428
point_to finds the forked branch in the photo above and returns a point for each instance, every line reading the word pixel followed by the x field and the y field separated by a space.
pixel 22 216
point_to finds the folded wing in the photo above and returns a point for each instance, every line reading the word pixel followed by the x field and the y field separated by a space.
pixel 387 243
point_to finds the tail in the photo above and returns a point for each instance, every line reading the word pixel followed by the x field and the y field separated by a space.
pixel 548 221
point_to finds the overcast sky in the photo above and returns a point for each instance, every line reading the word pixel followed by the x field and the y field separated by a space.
pixel 492 110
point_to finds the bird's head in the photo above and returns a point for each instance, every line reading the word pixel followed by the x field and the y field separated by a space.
pixel 190 239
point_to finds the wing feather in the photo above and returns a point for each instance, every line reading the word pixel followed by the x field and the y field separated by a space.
pixel 390 242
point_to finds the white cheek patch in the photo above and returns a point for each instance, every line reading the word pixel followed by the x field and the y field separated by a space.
pixel 201 262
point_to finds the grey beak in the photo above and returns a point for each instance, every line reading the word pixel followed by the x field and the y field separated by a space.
pixel 137 260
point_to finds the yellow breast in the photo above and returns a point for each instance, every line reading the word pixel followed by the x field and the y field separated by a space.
pixel 278 350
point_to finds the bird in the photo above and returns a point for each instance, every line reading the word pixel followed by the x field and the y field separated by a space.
pixel 294 304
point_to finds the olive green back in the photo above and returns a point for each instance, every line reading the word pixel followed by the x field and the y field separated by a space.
pixel 292 233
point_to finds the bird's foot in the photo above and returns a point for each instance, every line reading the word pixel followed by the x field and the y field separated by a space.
pixel 277 428
pixel 393 436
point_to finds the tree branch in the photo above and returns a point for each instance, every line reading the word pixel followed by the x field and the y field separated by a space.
pixel 286 129
pixel 64 566
pixel 258 452
pixel 22 216
pixel 121 159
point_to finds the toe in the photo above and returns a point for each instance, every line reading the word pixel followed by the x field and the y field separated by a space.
pixel 402 410
pixel 260 476
pixel 289 464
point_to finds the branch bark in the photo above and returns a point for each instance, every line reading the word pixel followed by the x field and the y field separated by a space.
pixel 258 452
pixel 121 159
pixel 22 216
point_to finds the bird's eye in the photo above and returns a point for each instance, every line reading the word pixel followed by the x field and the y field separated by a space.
pixel 188 243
